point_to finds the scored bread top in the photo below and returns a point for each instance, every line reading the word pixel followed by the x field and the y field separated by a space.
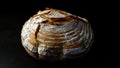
pixel 54 16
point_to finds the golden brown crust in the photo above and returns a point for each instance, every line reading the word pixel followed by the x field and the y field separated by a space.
pixel 54 36
pixel 32 39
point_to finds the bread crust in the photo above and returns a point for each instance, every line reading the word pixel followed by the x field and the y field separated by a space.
pixel 54 34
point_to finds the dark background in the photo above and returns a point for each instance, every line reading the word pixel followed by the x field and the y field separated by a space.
pixel 13 14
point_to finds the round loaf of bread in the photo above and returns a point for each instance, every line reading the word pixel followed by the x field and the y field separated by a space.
pixel 56 35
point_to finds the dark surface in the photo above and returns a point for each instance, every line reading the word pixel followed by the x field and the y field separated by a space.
pixel 13 14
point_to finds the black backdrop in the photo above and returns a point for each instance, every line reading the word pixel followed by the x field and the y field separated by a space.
pixel 13 14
